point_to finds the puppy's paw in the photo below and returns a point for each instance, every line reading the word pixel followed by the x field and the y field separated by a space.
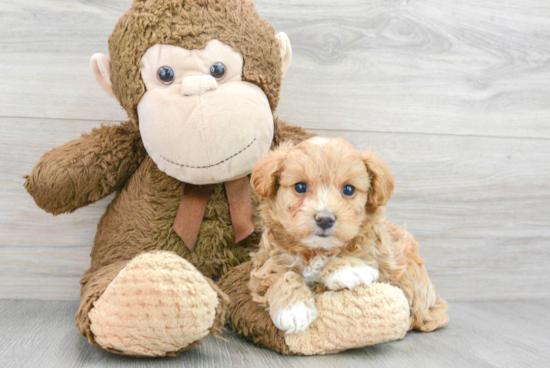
pixel 350 277
pixel 296 318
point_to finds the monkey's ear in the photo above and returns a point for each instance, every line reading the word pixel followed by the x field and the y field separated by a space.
pixel 265 173
pixel 285 49
pixel 382 180
pixel 101 67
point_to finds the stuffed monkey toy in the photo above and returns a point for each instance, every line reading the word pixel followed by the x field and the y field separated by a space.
pixel 200 81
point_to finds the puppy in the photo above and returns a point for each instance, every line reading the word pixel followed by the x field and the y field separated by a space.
pixel 325 230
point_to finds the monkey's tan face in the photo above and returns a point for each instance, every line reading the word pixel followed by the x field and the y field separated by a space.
pixel 199 121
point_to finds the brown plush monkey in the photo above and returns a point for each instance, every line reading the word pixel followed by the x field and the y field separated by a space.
pixel 200 81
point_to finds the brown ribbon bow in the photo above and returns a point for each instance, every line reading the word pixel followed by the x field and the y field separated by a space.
pixel 193 205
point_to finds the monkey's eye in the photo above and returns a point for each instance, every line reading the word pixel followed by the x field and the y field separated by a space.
pixel 300 188
pixel 217 70
pixel 348 190
pixel 166 75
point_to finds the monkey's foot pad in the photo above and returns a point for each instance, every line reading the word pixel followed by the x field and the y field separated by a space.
pixel 158 305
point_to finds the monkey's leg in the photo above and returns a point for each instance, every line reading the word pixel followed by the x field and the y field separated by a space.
pixel 347 319
pixel 156 304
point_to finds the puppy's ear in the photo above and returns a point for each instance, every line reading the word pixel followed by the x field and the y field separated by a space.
pixel 266 171
pixel 382 180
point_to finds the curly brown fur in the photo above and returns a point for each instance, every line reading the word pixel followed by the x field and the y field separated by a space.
pixel 246 317
pixel 354 250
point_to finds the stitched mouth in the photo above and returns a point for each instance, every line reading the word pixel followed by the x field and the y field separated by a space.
pixel 216 164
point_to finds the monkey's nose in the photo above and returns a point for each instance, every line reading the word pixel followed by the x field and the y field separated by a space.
pixel 325 219
pixel 197 85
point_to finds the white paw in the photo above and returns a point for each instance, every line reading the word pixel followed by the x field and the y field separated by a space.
pixel 351 277
pixel 294 319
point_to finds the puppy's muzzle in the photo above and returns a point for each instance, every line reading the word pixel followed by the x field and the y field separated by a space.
pixel 325 219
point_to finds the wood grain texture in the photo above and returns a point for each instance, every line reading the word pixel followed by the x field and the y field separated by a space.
pixel 41 256
pixel 498 334
pixel 480 208
pixel 452 67
pixel 468 67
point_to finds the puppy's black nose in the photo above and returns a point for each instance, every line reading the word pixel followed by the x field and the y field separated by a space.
pixel 325 219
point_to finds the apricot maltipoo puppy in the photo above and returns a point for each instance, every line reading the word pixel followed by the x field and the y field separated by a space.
pixel 325 230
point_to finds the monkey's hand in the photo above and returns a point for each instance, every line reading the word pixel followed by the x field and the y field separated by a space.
pixel 347 273
pixel 87 169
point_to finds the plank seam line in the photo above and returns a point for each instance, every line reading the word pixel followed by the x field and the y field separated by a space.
pixel 63 119
pixel 425 133
pixel 311 128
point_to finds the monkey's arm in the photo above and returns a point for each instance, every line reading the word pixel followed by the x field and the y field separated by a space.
pixel 87 169
pixel 284 132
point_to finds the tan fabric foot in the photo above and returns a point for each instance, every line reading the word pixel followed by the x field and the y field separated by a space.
pixel 159 304
pixel 347 319
pixel 353 319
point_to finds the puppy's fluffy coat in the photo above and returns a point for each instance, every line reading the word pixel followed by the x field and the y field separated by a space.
pixel 325 230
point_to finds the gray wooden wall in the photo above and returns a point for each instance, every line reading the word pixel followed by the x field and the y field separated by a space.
pixel 454 94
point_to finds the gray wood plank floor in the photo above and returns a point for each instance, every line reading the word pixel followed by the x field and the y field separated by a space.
pixel 41 334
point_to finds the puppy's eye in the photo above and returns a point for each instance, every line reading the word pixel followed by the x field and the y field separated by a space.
pixel 348 190
pixel 166 75
pixel 300 188
pixel 217 70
